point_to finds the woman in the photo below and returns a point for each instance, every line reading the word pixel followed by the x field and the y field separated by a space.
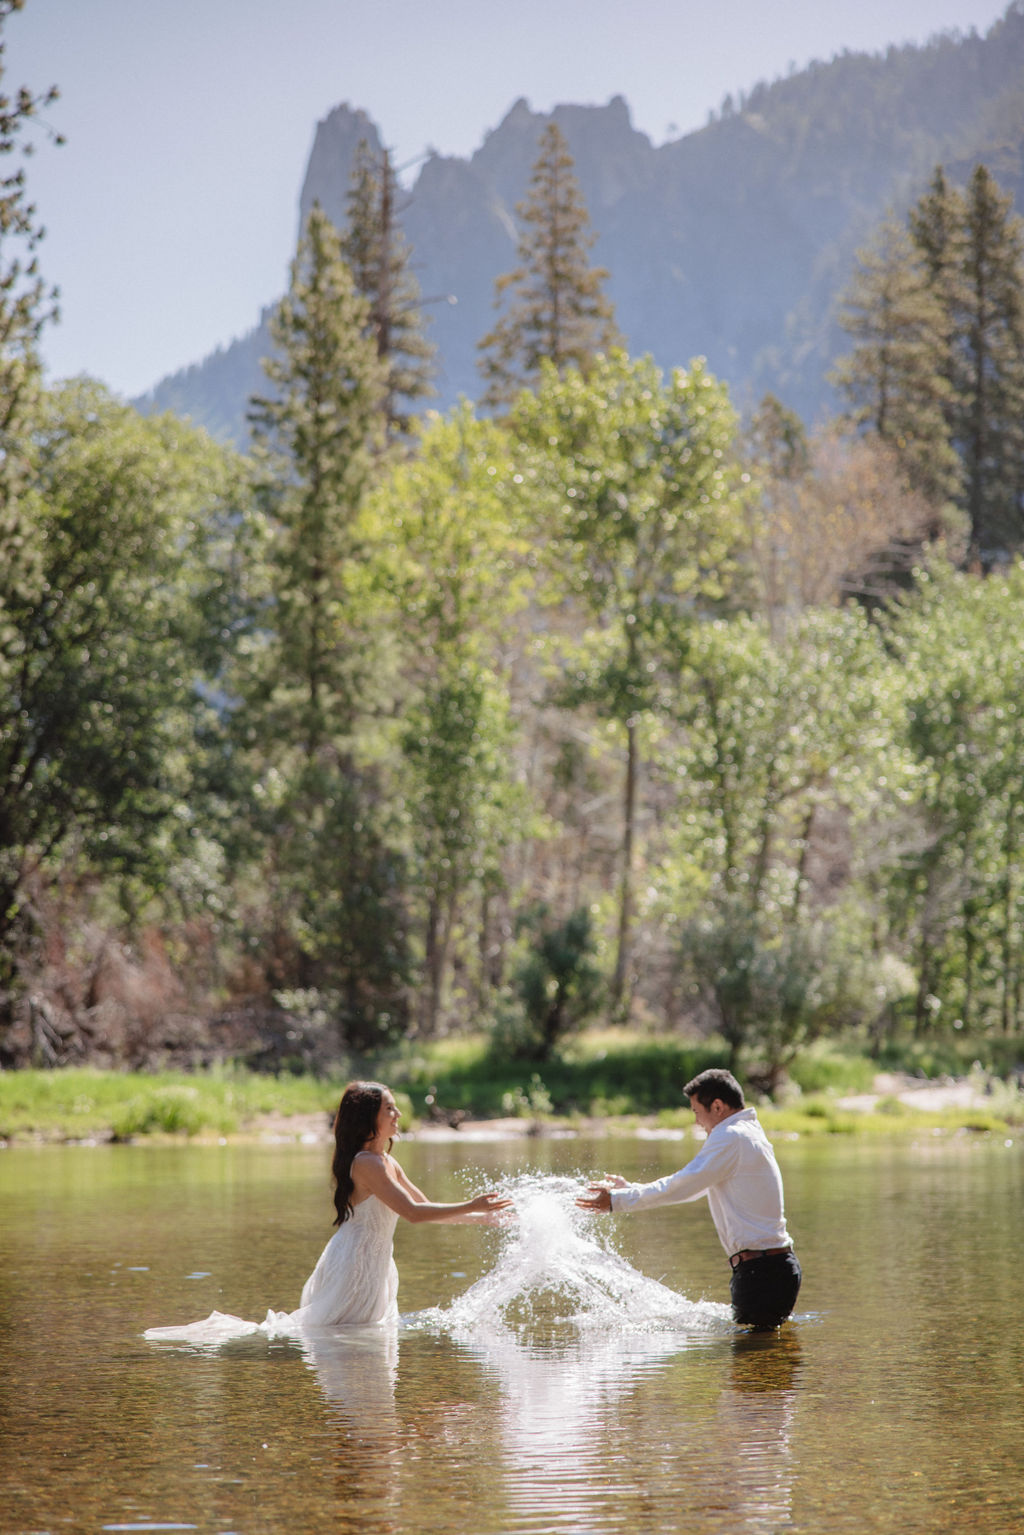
pixel 355 1281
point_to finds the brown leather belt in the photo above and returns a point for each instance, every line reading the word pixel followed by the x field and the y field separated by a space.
pixel 756 1252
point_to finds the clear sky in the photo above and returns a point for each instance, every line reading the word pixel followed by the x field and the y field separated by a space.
pixel 171 211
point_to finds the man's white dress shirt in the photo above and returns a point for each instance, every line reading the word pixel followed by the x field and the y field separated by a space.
pixel 736 1169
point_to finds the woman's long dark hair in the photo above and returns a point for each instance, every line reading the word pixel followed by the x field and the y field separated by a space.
pixel 354 1124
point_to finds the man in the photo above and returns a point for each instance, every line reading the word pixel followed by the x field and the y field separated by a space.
pixel 736 1169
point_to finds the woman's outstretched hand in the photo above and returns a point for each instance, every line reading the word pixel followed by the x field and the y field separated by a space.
pixel 493 1207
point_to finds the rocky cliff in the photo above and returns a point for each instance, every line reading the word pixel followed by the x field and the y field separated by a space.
pixel 733 242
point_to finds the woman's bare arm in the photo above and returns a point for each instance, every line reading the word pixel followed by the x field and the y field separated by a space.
pixel 382 1176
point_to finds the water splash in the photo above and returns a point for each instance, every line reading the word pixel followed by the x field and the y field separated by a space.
pixel 557 1275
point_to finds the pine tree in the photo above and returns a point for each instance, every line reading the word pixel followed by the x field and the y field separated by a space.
pixel 897 378
pixel 333 918
pixel 317 437
pixel 777 440
pixel 379 258
pixel 936 226
pixel 555 304
pixel 987 423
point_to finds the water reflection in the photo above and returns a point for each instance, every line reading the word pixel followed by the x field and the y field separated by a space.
pixel 357 1371
pixel 756 1413
pixel 572 1340
pixel 581 1431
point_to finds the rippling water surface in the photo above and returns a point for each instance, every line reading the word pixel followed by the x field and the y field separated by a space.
pixel 572 1373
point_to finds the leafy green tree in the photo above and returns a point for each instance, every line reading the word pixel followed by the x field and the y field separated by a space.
pixel 956 889
pixel 451 563
pixel 104 639
pixel 786 767
pixel 769 996
pixel 557 983
pixel 555 309
pixel 26 305
pixel 638 500
pixel 379 258
pixel 896 376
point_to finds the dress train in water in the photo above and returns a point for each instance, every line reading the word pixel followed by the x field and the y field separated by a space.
pixel 354 1284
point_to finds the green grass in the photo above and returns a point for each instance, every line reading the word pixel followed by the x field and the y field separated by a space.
pixel 81 1102
pixel 610 1074
pixel 601 1073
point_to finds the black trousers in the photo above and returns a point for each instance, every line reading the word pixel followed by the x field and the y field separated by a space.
pixel 764 1290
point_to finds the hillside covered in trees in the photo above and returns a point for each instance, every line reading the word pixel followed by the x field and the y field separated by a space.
pixel 602 701
pixel 732 243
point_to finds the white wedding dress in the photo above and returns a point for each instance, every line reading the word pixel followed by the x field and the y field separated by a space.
pixel 354 1284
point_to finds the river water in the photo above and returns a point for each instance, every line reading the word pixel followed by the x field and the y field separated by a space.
pixel 574 1374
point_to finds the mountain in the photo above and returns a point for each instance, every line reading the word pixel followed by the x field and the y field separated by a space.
pixel 733 242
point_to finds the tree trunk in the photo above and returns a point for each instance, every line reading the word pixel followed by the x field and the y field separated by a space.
pixel 620 980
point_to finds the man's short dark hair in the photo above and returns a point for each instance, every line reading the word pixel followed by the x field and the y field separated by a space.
pixel 715 1083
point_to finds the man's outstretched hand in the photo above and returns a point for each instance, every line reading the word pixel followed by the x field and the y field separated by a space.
pixel 599 1195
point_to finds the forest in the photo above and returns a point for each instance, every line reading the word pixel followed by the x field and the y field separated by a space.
pixel 589 702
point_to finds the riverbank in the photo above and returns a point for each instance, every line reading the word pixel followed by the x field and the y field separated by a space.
pixel 895 1100
pixel 105 1108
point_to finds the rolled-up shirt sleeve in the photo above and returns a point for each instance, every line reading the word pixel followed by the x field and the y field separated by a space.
pixel 713 1163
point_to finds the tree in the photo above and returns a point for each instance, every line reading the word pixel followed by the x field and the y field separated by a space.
pixel 556 309
pixel 104 639
pixel 987 423
pixel 787 754
pixel 557 984
pixel 26 305
pixel 316 439
pixel 957 891
pixel 940 328
pixel 936 226
pixel 896 377
pixel 379 259
pixel 331 875
pixel 638 501
pixel 451 564
pixel 841 523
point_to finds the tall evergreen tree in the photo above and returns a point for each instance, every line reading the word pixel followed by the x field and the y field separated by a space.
pixel 379 257
pixel 936 226
pixel 333 916
pixel 555 305
pixel 938 365
pixel 897 376
pixel 991 405
pixel 316 438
